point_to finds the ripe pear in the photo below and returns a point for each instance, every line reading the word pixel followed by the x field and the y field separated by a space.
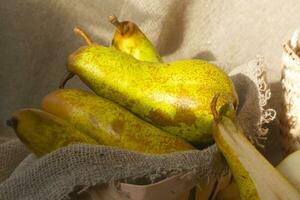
pixel 290 168
pixel 42 132
pixel 173 96
pixel 109 123
pixel 255 176
pixel 129 38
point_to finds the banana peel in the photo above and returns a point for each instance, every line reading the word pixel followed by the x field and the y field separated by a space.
pixel 255 176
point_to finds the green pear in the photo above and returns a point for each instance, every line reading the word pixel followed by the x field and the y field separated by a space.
pixel 42 132
pixel 110 124
pixel 129 38
pixel 255 177
pixel 173 96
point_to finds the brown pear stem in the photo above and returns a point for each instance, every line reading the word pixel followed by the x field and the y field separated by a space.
pixel 213 107
pixel 114 20
pixel 85 36
pixel 66 78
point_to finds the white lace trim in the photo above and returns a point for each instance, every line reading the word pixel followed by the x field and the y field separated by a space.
pixel 267 115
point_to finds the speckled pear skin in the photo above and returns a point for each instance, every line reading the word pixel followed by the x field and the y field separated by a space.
pixel 134 42
pixel 110 124
pixel 174 96
pixel 43 133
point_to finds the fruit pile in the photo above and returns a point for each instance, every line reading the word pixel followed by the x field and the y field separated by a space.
pixel 143 104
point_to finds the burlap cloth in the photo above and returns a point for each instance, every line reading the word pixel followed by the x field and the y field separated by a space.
pixel 36 37
pixel 289 119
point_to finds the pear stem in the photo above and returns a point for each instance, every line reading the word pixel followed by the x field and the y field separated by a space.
pixel 213 107
pixel 85 37
pixel 114 20
pixel 66 78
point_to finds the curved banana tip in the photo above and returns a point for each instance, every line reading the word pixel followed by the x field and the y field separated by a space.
pixel 213 107
pixel 12 122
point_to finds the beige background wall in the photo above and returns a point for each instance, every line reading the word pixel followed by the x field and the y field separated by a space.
pixel 36 37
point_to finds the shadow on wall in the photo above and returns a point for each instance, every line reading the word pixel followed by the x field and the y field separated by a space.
pixel 37 40
pixel 38 37
pixel 205 55
pixel 171 36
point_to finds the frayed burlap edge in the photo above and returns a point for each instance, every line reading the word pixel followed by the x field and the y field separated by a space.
pixel 102 164
pixel 267 114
